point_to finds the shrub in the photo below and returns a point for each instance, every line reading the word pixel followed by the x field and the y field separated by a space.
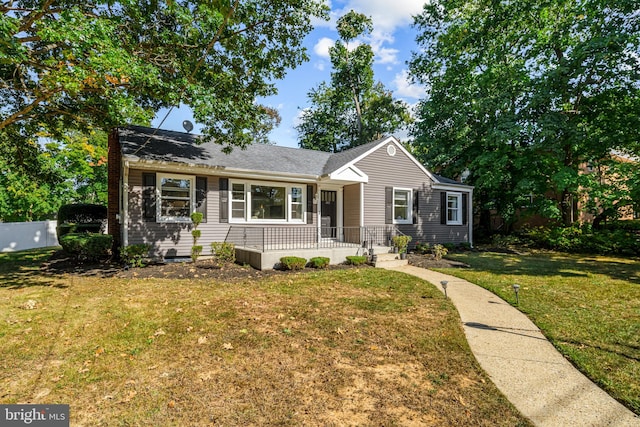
pixel 584 239
pixel 423 248
pixel 196 250
pixel 439 251
pixel 319 262
pixel 223 252
pixel 197 218
pixel 133 255
pixel 356 259
pixel 464 246
pixel 87 246
pixel 401 242
pixel 293 263
pixel 449 246
pixel 81 218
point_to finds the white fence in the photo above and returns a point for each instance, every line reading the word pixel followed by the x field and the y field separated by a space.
pixel 17 236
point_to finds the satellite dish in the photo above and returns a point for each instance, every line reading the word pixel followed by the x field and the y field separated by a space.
pixel 187 125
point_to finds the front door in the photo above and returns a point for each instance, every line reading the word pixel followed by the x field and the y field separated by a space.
pixel 328 213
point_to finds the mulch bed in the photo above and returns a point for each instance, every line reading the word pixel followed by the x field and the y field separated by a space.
pixel 60 263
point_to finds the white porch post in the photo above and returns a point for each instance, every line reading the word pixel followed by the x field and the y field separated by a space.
pixel 318 214
pixel 125 206
pixel 340 214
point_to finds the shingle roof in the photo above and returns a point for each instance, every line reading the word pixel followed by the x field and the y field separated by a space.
pixel 141 143
pixel 148 144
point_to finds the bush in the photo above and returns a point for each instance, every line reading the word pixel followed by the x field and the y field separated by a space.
pixel 87 246
pixel 449 246
pixel 423 248
pixel 196 250
pixel 584 239
pixel 133 255
pixel 81 218
pixel 464 246
pixel 319 262
pixel 356 259
pixel 439 251
pixel 223 252
pixel 401 242
pixel 196 218
pixel 292 263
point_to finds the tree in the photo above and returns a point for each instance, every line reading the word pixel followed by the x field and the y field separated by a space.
pixel 59 172
pixel 77 65
pixel 521 94
pixel 350 110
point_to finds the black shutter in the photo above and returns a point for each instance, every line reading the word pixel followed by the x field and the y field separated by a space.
pixel 201 196
pixel 416 205
pixel 443 207
pixel 310 204
pixel 149 196
pixel 465 204
pixel 388 205
pixel 223 190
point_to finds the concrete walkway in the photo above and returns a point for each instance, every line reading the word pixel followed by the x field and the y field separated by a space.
pixel 526 368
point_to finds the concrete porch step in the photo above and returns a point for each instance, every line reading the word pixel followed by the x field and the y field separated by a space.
pixel 389 260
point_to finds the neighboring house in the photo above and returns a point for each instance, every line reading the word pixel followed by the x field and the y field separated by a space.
pixel 272 201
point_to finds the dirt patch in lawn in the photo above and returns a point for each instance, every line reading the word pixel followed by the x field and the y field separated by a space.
pixel 428 261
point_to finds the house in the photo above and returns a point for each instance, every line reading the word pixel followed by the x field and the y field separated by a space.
pixel 272 201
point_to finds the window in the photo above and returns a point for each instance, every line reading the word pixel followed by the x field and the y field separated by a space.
pixel 296 204
pixel 454 209
pixel 266 202
pixel 402 205
pixel 238 201
pixel 176 198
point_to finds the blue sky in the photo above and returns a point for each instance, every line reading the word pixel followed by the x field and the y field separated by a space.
pixel 393 41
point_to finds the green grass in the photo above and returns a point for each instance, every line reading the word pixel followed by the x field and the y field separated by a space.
pixel 337 347
pixel 588 307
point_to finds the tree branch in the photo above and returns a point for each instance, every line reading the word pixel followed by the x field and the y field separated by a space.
pixel 18 114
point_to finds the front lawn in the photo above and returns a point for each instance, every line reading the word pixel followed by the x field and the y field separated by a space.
pixel 357 346
pixel 588 306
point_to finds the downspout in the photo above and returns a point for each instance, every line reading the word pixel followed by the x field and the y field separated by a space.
pixel 125 205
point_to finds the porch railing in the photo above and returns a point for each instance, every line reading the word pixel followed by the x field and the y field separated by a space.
pixel 266 238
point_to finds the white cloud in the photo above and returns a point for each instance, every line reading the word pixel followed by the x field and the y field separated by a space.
pixel 321 48
pixel 406 89
pixel 387 15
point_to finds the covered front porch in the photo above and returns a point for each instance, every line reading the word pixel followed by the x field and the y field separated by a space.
pixel 263 246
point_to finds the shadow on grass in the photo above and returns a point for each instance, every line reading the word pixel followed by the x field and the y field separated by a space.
pixel 43 267
pixel 556 264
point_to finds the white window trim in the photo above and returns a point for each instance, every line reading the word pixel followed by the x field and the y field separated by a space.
pixel 409 219
pixel 192 198
pixel 459 208
pixel 247 192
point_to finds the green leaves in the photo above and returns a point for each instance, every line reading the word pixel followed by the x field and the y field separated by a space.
pixel 74 66
pixel 521 94
pixel 351 109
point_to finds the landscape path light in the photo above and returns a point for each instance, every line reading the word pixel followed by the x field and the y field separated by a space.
pixel 444 287
pixel 516 289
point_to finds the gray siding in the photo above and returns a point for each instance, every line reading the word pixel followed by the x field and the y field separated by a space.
pixel 400 171
pixel 174 239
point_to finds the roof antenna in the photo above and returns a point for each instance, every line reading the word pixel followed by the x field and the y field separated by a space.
pixel 187 125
